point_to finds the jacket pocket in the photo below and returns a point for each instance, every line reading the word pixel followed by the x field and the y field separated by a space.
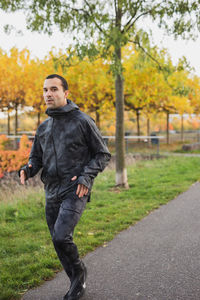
pixel 74 203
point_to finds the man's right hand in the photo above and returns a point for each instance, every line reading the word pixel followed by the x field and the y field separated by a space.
pixel 23 175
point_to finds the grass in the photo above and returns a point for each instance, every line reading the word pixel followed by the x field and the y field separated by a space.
pixel 187 152
pixel 145 148
pixel 27 257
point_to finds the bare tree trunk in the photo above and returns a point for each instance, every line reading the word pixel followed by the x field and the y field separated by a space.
pixel 98 119
pixel 8 124
pixel 148 126
pixel 16 125
pixel 148 130
pixel 38 118
pixel 168 128
pixel 182 127
pixel 16 118
pixel 138 123
pixel 121 173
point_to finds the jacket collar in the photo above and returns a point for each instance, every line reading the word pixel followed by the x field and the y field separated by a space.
pixel 62 111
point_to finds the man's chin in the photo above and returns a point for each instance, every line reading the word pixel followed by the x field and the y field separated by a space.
pixel 50 106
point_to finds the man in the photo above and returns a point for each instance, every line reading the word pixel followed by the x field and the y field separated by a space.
pixel 70 150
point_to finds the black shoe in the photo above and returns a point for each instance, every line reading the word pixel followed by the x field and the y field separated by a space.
pixel 78 283
pixel 70 278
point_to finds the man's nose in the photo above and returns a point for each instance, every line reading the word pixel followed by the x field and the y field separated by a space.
pixel 48 93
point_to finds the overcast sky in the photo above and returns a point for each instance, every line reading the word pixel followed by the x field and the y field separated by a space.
pixel 41 44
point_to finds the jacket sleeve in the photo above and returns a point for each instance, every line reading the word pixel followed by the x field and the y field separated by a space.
pixel 100 154
pixel 35 159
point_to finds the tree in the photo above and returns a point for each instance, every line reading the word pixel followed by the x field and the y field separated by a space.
pixel 141 87
pixel 14 80
pixel 109 24
pixel 37 71
pixel 194 93
pixel 179 82
pixel 171 85
pixel 92 87
pixel 5 104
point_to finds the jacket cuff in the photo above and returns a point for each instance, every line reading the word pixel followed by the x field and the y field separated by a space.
pixel 86 181
pixel 27 171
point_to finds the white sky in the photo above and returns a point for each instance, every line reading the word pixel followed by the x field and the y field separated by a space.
pixel 38 44
pixel 41 44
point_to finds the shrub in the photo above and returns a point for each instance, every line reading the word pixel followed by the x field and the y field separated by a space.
pixel 3 141
pixel 13 160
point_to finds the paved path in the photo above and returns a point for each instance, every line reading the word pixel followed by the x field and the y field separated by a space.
pixel 157 259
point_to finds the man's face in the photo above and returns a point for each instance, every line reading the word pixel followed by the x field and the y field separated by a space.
pixel 54 94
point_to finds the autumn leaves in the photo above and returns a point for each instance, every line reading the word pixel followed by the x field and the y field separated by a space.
pixel 149 86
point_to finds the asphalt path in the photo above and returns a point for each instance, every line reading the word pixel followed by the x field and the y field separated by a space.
pixel 158 258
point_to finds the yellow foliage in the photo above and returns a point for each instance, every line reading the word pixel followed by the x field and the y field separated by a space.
pixel 91 84
pixel 3 141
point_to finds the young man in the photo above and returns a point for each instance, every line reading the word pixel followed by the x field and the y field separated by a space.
pixel 70 150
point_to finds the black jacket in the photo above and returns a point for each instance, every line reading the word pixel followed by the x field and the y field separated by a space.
pixel 67 144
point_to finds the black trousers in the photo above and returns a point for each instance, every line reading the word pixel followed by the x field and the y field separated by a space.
pixel 62 216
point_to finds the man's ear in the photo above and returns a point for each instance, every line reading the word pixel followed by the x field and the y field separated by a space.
pixel 66 93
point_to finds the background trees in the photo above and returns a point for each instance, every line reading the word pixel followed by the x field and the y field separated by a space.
pixel 111 23
pixel 14 81
pixel 152 87
pixel 91 86
pixel 37 72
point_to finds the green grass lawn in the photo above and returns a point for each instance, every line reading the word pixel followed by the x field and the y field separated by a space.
pixel 187 152
pixel 145 148
pixel 27 256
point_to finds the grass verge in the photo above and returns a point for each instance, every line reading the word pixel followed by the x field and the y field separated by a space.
pixel 27 256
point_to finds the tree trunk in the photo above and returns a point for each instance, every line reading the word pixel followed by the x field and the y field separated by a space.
pixel 138 123
pixel 98 119
pixel 16 125
pixel 168 128
pixel 148 130
pixel 121 173
pixel 16 118
pixel 182 127
pixel 8 124
pixel 148 126
pixel 38 119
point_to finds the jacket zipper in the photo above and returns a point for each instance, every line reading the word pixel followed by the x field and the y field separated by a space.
pixel 54 147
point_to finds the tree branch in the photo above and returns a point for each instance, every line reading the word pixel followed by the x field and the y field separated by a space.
pixel 147 53
pixel 130 24
pixel 78 10
pixel 133 16
pixel 115 3
pixel 97 25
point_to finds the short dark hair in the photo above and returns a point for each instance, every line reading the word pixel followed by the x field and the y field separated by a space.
pixel 63 80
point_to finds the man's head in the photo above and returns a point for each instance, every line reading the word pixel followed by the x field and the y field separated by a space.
pixel 55 91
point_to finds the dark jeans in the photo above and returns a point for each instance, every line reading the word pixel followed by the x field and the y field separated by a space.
pixel 62 217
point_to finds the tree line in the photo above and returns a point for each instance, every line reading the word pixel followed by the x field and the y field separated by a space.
pixel 151 86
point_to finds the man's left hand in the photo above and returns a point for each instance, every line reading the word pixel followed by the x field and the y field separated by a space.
pixel 82 190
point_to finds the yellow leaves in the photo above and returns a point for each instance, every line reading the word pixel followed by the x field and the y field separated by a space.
pixel 37 72
pixel 149 89
pixel 91 85
pixel 13 76
pixel 21 80
pixel 194 93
